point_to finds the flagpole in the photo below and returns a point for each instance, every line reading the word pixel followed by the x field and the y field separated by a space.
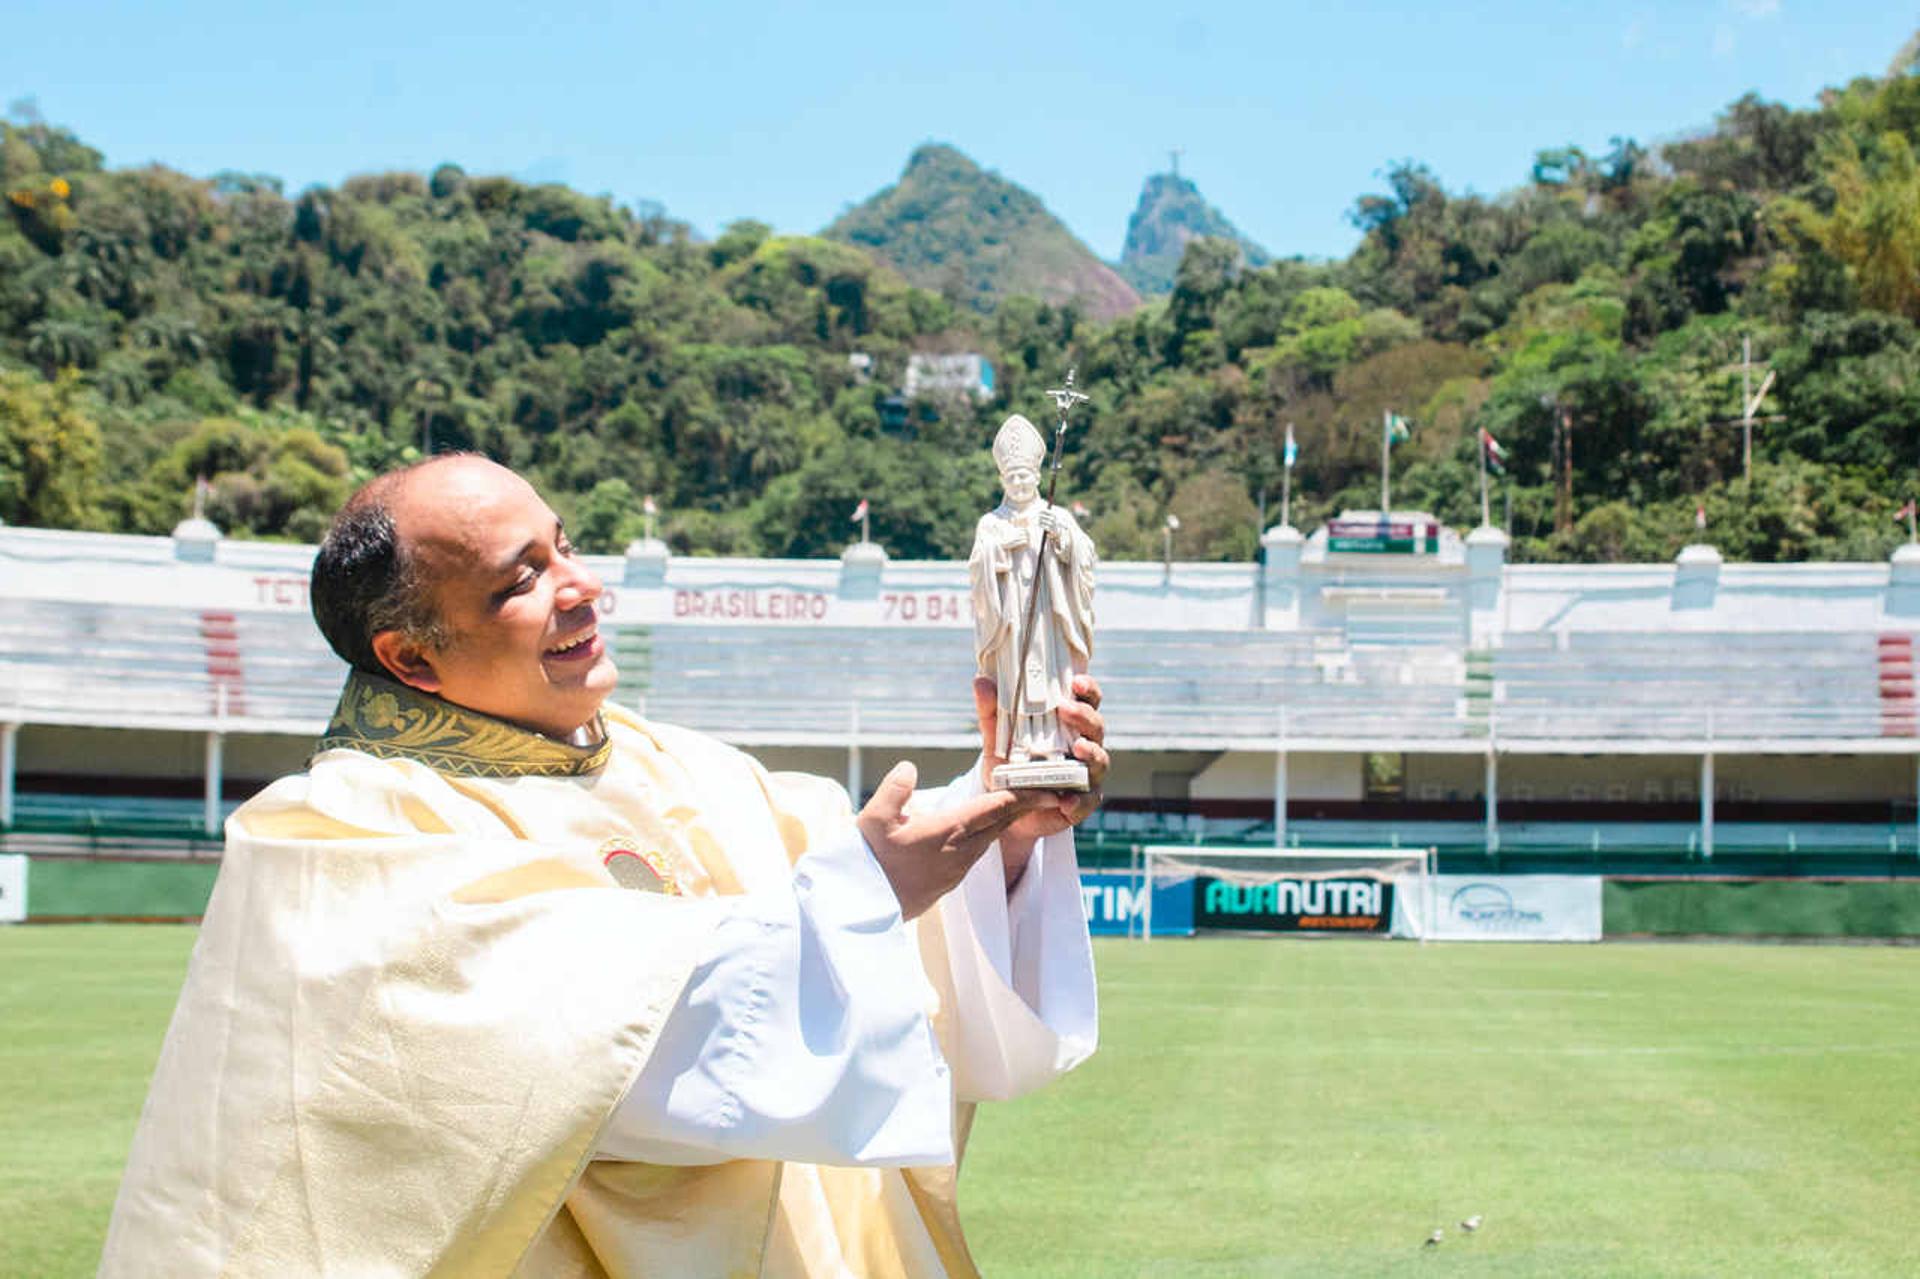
pixel 1286 498
pixel 1913 533
pixel 1486 512
pixel 1386 450
pixel 866 533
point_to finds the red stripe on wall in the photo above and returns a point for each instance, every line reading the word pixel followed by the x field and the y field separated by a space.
pixel 226 674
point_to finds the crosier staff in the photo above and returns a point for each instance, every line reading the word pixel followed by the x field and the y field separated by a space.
pixel 1064 398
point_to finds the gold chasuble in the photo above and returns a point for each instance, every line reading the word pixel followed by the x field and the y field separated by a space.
pixel 420 992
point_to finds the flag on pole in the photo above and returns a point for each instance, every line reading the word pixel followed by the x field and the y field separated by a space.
pixel 859 512
pixel 1173 521
pixel 1079 510
pixel 1906 512
pixel 1496 456
pixel 1292 454
pixel 1700 516
pixel 648 506
pixel 1398 429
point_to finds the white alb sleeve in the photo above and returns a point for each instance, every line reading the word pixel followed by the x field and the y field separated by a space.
pixel 803 1034
pixel 1020 982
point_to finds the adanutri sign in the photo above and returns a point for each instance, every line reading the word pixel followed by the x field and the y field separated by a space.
pixel 1355 904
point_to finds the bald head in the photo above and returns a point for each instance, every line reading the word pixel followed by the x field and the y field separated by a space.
pixel 455 578
pixel 367 577
pixel 443 509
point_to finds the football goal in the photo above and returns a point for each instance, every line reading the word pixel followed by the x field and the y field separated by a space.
pixel 1292 890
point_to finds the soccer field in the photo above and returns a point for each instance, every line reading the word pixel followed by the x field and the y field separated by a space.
pixel 1270 1107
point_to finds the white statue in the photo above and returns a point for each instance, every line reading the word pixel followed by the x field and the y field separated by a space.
pixel 1014 591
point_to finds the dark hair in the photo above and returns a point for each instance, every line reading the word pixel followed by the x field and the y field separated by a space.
pixel 364 582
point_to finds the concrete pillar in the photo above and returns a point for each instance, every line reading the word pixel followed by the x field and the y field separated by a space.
pixel 1283 545
pixel 1279 788
pixel 9 745
pixel 1706 807
pixel 646 563
pixel 216 758
pixel 1486 579
pixel 861 567
pixel 1696 577
pixel 1903 582
pixel 196 540
pixel 1493 802
pixel 854 780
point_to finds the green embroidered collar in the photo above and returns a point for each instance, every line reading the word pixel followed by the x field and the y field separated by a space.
pixel 388 719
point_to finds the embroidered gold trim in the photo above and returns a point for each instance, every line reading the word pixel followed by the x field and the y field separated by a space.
pixel 384 718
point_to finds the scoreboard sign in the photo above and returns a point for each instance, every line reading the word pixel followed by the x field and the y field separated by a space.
pixel 1383 537
pixel 1352 904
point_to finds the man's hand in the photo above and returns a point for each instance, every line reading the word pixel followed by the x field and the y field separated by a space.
pixel 925 856
pixel 1058 809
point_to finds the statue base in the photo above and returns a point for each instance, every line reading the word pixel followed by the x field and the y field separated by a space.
pixel 1042 774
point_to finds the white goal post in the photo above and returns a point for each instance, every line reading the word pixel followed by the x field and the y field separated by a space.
pixel 1293 878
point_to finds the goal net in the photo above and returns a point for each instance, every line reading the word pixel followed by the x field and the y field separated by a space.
pixel 1296 890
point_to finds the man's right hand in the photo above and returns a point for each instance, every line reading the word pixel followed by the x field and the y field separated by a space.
pixel 925 855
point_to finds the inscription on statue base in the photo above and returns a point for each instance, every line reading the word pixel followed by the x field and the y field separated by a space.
pixel 1042 774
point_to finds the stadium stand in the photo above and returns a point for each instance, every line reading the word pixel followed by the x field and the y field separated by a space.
pixel 1634 716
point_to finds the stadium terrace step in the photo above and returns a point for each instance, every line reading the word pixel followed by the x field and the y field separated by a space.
pixel 122 665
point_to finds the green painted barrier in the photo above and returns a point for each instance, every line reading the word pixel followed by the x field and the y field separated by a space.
pixel 1761 908
pixel 94 888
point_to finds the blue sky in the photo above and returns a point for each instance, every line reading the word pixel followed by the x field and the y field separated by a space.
pixel 1285 112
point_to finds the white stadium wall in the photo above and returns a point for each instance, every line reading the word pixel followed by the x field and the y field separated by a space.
pixel 135 657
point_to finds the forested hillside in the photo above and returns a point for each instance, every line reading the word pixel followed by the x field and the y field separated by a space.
pixel 155 327
pixel 978 239
pixel 1172 214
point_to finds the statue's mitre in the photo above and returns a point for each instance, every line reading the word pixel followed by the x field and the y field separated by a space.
pixel 1018 444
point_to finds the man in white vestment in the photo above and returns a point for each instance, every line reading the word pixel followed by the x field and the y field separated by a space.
pixel 512 981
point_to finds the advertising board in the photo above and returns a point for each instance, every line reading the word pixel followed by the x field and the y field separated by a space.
pixel 1355 904
pixel 13 888
pixel 1116 904
pixel 1516 908
pixel 1382 537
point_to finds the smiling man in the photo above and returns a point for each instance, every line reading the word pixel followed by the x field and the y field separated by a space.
pixel 431 1027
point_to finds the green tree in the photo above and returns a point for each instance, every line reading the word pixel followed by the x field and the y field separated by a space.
pixel 49 452
pixel 1874 225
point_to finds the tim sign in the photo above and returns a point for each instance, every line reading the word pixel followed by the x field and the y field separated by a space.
pixel 1116 905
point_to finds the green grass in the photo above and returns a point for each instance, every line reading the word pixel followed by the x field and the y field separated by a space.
pixel 1270 1107
pixel 82 1013
pixel 1265 1107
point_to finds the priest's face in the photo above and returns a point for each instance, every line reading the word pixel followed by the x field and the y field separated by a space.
pixel 517 604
